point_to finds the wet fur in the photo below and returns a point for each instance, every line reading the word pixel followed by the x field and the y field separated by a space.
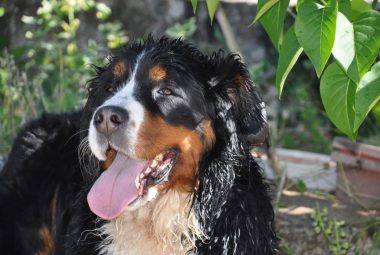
pixel 43 185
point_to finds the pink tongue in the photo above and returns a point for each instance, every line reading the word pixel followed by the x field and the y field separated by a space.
pixel 115 188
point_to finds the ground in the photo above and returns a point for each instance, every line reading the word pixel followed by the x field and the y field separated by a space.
pixel 295 225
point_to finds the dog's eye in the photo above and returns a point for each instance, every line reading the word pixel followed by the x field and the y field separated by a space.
pixel 109 88
pixel 165 92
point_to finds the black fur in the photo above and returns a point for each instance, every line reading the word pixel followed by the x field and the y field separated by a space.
pixel 44 184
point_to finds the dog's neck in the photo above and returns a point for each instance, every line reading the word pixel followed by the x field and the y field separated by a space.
pixel 166 225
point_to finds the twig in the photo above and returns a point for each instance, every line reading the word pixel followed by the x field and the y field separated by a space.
pixel 280 187
pixel 347 189
pixel 227 31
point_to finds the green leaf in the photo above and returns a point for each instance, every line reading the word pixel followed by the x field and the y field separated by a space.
pixel 376 111
pixel 2 11
pixel 263 10
pixel 367 39
pixel 289 53
pixel 344 7
pixel 367 94
pixel 301 186
pixel 357 7
pixel 356 46
pixel 338 98
pixel 194 4
pixel 273 20
pixel 300 2
pixel 344 47
pixel 315 30
pixel 212 5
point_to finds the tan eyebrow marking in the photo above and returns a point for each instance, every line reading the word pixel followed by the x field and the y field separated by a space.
pixel 158 73
pixel 119 69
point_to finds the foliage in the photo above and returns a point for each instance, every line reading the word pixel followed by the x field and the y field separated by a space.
pixel 335 232
pixel 185 30
pixel 341 236
pixel 46 73
pixel 285 248
pixel 343 35
pixel 370 230
pixel 301 124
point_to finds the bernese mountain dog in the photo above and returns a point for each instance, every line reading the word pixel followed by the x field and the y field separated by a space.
pixel 157 162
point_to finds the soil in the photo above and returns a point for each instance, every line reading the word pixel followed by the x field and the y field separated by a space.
pixel 295 226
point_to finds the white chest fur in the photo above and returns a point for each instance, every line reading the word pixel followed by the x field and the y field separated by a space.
pixel 165 225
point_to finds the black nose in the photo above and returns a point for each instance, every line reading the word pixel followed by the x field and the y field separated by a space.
pixel 108 118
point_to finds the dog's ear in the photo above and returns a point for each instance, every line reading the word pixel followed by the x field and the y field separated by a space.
pixel 230 79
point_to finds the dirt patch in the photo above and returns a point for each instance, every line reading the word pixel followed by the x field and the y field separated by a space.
pixel 295 225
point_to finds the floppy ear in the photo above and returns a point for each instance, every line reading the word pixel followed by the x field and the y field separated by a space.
pixel 232 204
pixel 231 80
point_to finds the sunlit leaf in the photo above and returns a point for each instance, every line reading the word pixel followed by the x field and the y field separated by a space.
pixel 212 5
pixel 344 47
pixel 273 20
pixel 289 53
pixel 367 39
pixel 338 97
pixel 315 29
pixel 358 7
pixel 367 94
pixel 269 4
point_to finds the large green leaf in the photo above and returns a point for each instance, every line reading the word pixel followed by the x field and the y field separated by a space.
pixel 267 6
pixel 300 2
pixel 338 97
pixel 289 53
pixel 367 94
pixel 344 47
pixel 212 5
pixel 273 20
pixel 367 39
pixel 344 7
pixel 315 29
pixel 357 7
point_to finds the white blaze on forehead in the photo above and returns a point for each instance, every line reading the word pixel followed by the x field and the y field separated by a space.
pixel 125 99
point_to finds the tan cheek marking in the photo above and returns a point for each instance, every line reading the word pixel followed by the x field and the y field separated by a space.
pixel 133 124
pixel 156 136
pixel 47 240
pixel 119 69
pixel 157 73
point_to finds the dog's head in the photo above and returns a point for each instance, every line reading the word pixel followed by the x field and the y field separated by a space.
pixel 156 111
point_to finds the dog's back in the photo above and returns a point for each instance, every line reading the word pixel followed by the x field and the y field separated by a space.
pixel 37 185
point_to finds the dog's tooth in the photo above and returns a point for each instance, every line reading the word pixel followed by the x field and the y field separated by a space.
pixel 154 164
pixel 147 171
pixel 137 182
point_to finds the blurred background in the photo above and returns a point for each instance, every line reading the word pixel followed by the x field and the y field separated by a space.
pixel 326 188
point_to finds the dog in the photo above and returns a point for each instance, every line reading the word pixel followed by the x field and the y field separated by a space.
pixel 157 162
